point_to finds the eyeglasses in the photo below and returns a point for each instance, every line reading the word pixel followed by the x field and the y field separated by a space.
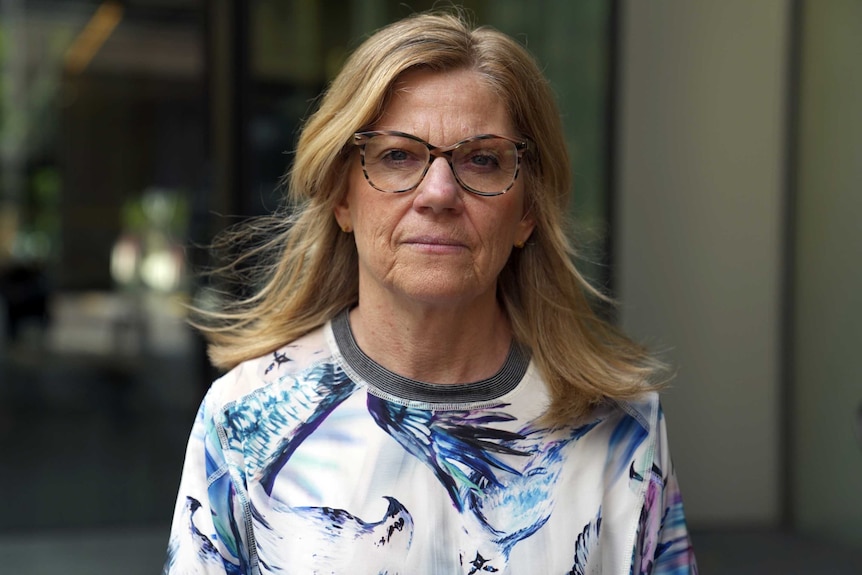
pixel 395 162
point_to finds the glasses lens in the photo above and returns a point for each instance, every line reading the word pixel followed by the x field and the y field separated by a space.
pixel 394 163
pixel 487 165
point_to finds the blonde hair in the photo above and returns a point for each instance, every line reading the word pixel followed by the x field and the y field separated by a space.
pixel 308 268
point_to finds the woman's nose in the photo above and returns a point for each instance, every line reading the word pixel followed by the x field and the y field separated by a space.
pixel 439 190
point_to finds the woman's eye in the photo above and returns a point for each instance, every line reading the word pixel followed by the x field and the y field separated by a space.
pixel 481 160
pixel 395 156
pixel 485 160
pixel 400 159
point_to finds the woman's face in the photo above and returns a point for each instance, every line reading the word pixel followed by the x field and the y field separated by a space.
pixel 439 244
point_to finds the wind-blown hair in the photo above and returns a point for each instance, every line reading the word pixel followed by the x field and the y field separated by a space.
pixel 307 269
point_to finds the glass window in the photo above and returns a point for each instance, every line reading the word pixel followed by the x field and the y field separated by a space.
pixel 102 155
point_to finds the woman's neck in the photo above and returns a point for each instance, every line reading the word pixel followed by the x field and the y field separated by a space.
pixel 434 345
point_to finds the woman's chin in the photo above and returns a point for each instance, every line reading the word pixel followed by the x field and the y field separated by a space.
pixel 443 293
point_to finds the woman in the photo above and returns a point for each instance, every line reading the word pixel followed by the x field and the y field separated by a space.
pixel 418 385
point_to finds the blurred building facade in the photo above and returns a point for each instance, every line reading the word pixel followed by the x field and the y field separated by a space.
pixel 738 181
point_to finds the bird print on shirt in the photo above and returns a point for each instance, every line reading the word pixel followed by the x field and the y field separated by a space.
pixel 328 540
pixel 193 550
pixel 586 543
pixel 269 426
pixel 502 482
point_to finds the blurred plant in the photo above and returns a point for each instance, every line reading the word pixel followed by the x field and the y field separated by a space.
pixel 148 254
pixel 40 226
pixel 157 208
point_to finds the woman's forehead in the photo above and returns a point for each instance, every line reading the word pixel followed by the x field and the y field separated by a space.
pixel 451 105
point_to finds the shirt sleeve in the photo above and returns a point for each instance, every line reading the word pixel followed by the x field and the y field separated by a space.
pixel 663 546
pixel 206 536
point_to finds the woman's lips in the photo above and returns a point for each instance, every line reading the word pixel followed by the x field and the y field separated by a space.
pixel 435 244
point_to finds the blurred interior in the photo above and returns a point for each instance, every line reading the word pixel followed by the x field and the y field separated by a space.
pixel 717 195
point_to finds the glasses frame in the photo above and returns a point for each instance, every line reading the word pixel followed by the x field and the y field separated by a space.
pixel 434 152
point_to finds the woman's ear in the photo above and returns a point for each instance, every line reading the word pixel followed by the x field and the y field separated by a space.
pixel 525 229
pixel 342 215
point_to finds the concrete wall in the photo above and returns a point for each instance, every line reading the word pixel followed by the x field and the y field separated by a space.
pixel 698 236
pixel 827 465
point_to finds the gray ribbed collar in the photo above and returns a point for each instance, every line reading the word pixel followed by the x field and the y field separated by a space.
pixel 392 384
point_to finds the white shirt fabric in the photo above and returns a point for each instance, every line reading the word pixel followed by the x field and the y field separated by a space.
pixel 314 459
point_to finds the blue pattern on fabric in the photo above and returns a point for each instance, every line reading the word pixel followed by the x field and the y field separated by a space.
pixel 493 483
pixel 269 426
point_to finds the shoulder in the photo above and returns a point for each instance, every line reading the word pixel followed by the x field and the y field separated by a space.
pixel 645 410
pixel 255 374
pixel 643 413
pixel 628 435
